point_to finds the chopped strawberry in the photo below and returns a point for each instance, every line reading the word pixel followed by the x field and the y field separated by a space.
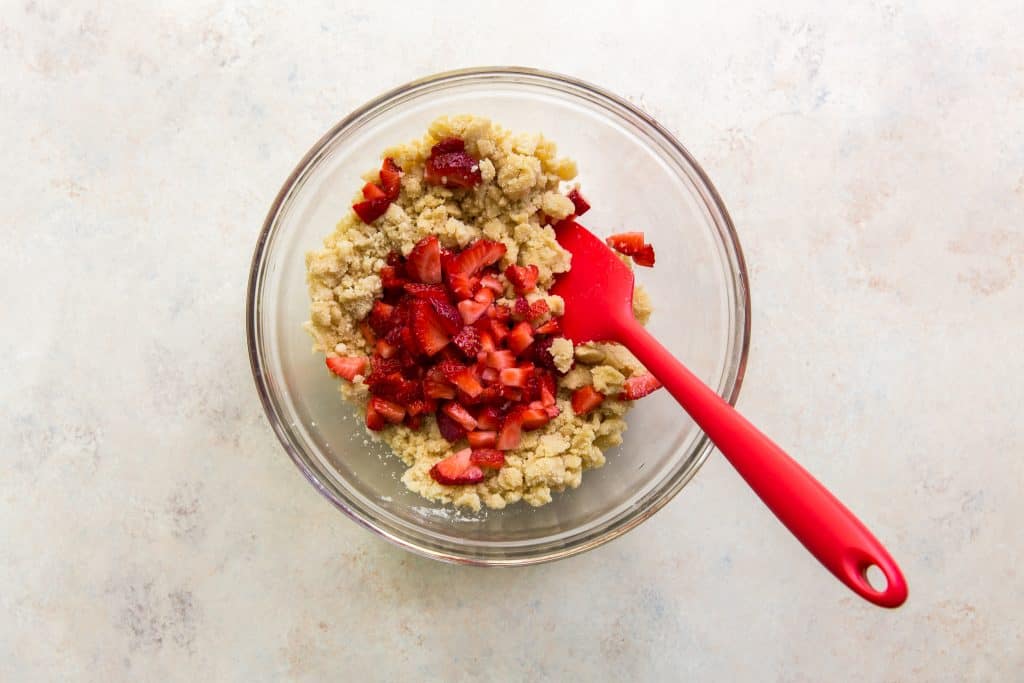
pixel 553 411
pixel 452 169
pixel 547 389
pixel 462 377
pixel 520 337
pixel 498 330
pixel 523 278
pixel 417 407
pixel 427 329
pixel 370 210
pixel 373 191
pixel 450 318
pixel 347 367
pixel 644 257
pixel 477 256
pixel 383 367
pixel 487 341
pixel 511 432
pixel 482 439
pixel 395 388
pixel 457 470
pixel 534 418
pixel 514 394
pixel 390 279
pixel 521 310
pixel 552 326
pixel 367 332
pixel 500 312
pixel 392 412
pixel 460 415
pixel 448 145
pixel 541 353
pixel 374 420
pixel 484 295
pixel 450 429
pixel 489 375
pixel 468 341
pixel 463 286
pixel 627 243
pixel 581 205
pixel 501 359
pixel 424 262
pixel 639 386
pixel 539 309
pixel 421 291
pixel 515 377
pixel 413 422
pixel 380 317
pixel 384 349
pixel 492 283
pixel 472 310
pixel 437 388
pixel 488 458
pixel 391 178
pixel 586 399
pixel 488 418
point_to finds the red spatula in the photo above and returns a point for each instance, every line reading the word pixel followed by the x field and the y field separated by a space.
pixel 598 293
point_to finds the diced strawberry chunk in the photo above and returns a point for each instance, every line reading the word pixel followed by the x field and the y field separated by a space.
pixel 392 412
pixel 472 310
pixel 552 326
pixel 521 310
pixel 511 432
pixel 384 349
pixel 534 418
pixel 424 262
pixel 586 399
pixel 541 353
pixel 500 312
pixel 390 279
pixel 627 243
pixel 644 257
pixel 367 332
pixel 421 291
pixel 468 341
pixel 520 337
pixel 413 422
pixel 547 389
pixel 450 429
pixel 435 389
pixel 374 420
pixel 489 418
pixel 553 411
pixel 373 191
pixel 447 145
pixel 370 210
pixel 427 328
pixel 489 375
pixel 514 394
pixel 639 386
pixel 523 278
pixel 391 178
pixel 484 295
pixel 539 309
pixel 451 319
pixel 380 317
pixel 347 367
pixel 452 169
pixel 498 329
pixel 581 205
pixel 457 470
pixel 482 439
pixel 501 359
pixel 477 256
pixel 460 415
pixel 487 341
pixel 394 387
pixel 462 286
pixel 515 377
pixel 492 283
pixel 416 407
pixel 488 458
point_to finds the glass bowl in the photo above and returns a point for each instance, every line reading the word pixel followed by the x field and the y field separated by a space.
pixel 637 176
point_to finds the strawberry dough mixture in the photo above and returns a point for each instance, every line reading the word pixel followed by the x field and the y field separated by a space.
pixel 430 300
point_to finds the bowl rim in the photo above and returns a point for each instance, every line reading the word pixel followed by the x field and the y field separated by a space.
pixel 703 447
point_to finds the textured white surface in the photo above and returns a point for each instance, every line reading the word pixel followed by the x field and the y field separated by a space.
pixel 872 155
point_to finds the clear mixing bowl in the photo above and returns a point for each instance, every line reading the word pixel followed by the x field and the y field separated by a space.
pixel 637 176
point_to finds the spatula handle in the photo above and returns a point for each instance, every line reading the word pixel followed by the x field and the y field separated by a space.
pixel 828 530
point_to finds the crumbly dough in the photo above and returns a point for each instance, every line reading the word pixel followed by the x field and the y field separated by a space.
pixel 520 189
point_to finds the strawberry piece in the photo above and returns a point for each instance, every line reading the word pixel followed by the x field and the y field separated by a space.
pixel 460 415
pixel 489 418
pixel 547 389
pixel 523 278
pixel 462 377
pixel 383 367
pixel 462 286
pixel 416 407
pixel 639 386
pixel 380 317
pixel 484 295
pixel 542 353
pixel 489 375
pixel 347 367
pixel 424 262
pixel 483 439
pixel 644 257
pixel 534 418
pixel 391 178
pixel 514 394
pixel 472 310
pixel 374 420
pixel 553 411
pixel 373 191
pixel 627 243
pixel 521 310
pixel 421 291
pixel 539 309
pixel 581 205
pixel 498 330
pixel 384 349
pixel 520 337
pixel 370 210
pixel 456 169
pixel 552 326
pixel 511 432
pixel 488 458
pixel 468 341
pixel 515 377
pixel 395 388
pixel 500 360
pixel 427 329
pixel 477 256
pixel 586 399
pixel 457 470
pixel 492 283
pixel 501 313
pixel 390 279
pixel 448 145
pixel 487 341
pixel 414 422
pixel 392 412
pixel 367 332
pixel 450 318
pixel 436 386
pixel 450 429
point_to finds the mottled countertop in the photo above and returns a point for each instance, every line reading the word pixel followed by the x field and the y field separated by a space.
pixel 151 527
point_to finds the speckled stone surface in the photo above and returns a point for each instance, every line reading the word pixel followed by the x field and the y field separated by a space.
pixel 872 155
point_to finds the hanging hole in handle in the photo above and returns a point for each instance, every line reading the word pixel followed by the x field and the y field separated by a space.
pixel 875 577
